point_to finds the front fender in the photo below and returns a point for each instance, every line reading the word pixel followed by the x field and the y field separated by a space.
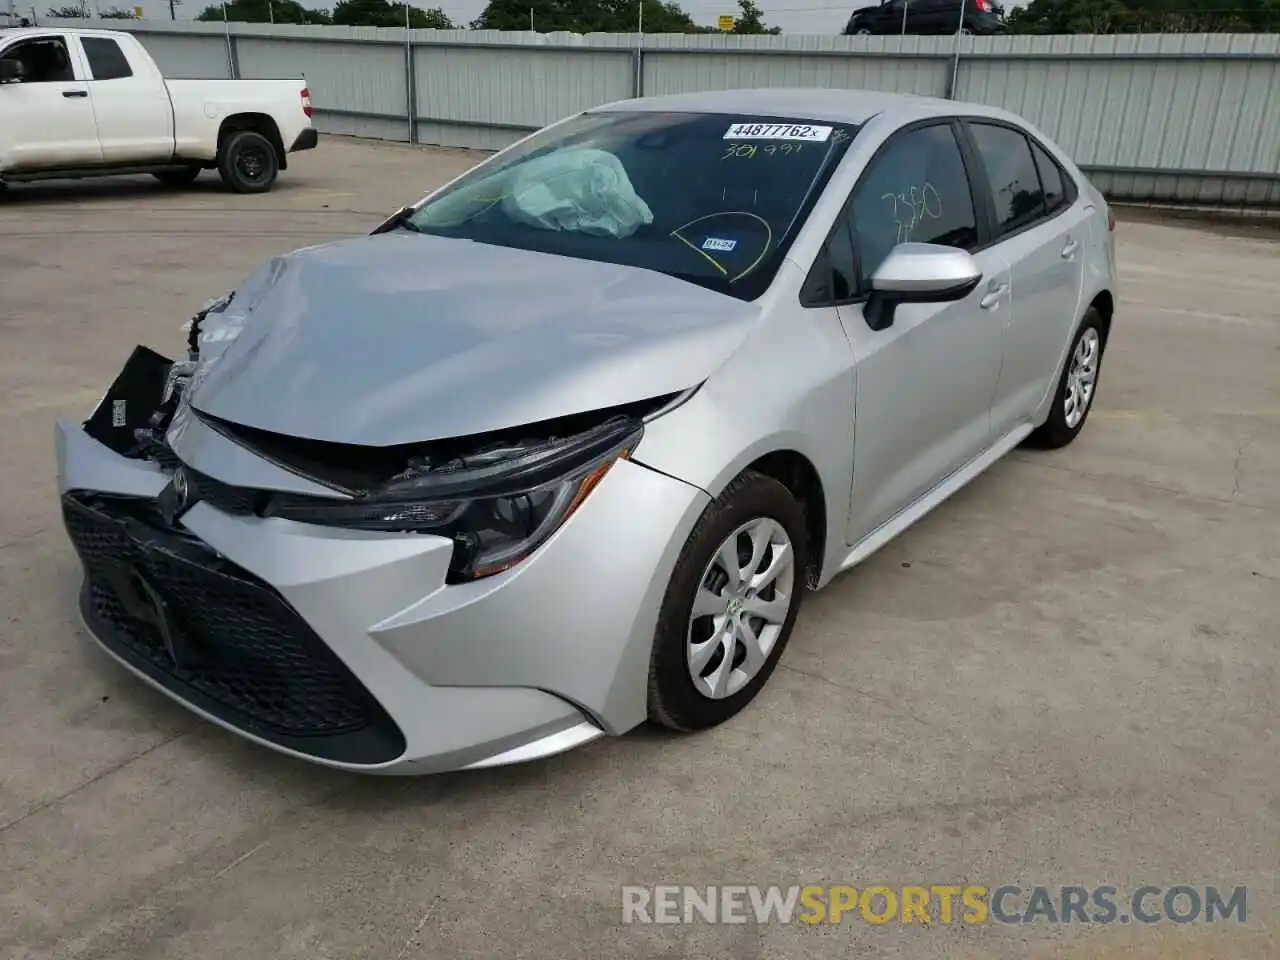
pixel 790 387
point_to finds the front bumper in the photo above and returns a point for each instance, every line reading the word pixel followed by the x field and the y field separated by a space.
pixel 346 648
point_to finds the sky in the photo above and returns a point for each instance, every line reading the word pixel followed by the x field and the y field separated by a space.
pixel 793 16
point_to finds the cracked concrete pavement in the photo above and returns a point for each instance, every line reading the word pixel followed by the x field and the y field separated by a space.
pixel 1065 675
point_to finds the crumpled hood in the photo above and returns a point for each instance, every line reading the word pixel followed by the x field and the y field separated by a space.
pixel 401 338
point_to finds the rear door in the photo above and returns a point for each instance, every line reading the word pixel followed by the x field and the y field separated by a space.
pixel 46 120
pixel 1040 226
pixel 924 384
pixel 130 103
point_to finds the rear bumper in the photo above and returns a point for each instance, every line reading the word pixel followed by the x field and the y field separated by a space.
pixel 306 140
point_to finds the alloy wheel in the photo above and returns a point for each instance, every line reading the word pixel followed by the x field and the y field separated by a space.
pixel 1082 376
pixel 741 606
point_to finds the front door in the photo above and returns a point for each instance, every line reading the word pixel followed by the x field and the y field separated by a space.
pixel 46 119
pixel 924 384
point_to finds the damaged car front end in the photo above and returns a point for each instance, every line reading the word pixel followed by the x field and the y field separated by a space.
pixel 396 609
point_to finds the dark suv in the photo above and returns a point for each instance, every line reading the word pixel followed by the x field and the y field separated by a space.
pixel 927 17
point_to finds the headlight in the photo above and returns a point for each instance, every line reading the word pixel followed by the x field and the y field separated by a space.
pixel 498 504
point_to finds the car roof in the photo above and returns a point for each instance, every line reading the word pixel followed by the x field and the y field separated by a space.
pixel 837 106
pixel 8 32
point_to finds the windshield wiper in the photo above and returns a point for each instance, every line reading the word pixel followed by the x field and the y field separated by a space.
pixel 402 219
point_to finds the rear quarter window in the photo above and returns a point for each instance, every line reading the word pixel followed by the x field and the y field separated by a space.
pixel 106 60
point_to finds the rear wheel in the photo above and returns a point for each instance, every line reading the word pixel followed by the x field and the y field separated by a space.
pixel 247 162
pixel 1076 388
pixel 730 605
pixel 178 176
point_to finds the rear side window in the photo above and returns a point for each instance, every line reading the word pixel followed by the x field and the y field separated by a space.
pixel 1011 174
pixel 106 60
pixel 1055 194
pixel 915 191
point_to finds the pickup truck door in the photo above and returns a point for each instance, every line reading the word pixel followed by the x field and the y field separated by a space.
pixel 130 101
pixel 46 118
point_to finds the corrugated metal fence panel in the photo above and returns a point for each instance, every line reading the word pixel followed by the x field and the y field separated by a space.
pixel 347 77
pixel 1176 117
pixel 187 57
pixel 698 62
pixel 519 86
pixel 1178 103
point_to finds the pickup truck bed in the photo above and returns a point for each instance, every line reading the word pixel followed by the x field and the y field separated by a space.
pixel 84 103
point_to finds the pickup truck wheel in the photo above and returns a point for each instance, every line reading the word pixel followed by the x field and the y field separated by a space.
pixel 177 177
pixel 248 162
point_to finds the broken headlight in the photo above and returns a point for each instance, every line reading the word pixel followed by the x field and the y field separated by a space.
pixel 498 504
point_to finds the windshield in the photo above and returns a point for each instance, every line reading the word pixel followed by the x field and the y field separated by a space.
pixel 708 198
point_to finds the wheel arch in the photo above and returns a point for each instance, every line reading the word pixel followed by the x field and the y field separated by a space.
pixel 259 123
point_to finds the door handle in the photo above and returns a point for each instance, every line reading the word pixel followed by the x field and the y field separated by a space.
pixel 69 94
pixel 1070 249
pixel 992 296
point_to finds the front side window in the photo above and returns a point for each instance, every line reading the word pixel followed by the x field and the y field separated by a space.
pixel 44 60
pixel 916 190
pixel 1011 175
pixel 712 199
pixel 106 60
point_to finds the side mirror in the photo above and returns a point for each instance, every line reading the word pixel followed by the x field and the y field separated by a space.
pixel 919 273
pixel 12 71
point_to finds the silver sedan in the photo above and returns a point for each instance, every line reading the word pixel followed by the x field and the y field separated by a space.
pixel 559 448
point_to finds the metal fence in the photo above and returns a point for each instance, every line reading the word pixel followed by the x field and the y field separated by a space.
pixel 1191 118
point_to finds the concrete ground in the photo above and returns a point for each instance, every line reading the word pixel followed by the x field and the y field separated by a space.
pixel 1065 675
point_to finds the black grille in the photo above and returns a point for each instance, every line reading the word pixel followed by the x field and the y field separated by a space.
pixel 238 501
pixel 218 636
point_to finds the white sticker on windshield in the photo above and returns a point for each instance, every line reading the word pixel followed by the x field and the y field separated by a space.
pixel 717 243
pixel 804 132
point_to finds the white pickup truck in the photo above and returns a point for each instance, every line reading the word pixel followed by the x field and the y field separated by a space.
pixel 85 103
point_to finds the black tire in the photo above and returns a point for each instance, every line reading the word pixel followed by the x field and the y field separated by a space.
pixel 1055 431
pixel 247 162
pixel 178 176
pixel 674 701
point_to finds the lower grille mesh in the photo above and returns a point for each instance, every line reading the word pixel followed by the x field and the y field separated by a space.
pixel 201 625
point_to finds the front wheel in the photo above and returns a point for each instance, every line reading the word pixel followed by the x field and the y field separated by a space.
pixel 730 605
pixel 1077 386
pixel 247 162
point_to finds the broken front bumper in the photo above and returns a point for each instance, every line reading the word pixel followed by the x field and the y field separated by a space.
pixel 346 647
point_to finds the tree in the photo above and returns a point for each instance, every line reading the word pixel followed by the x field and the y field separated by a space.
pixel 1145 16
pixel 380 13
pixel 258 11
pixel 585 16
pixel 115 13
pixel 751 20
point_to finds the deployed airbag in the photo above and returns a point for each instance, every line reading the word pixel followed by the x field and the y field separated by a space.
pixel 579 190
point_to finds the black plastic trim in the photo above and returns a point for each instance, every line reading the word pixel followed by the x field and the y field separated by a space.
pixel 307 140
pixel 378 741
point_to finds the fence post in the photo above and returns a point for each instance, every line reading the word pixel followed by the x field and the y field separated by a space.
pixel 410 80
pixel 233 56
pixel 637 82
pixel 955 62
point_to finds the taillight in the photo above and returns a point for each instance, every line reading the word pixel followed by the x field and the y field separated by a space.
pixel 1111 221
pixel 984 6
pixel 306 101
